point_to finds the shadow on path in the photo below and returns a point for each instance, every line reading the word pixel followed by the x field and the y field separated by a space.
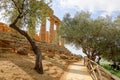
pixel 79 64
pixel 76 71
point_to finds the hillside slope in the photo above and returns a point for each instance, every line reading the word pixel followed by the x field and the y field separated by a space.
pixel 14 66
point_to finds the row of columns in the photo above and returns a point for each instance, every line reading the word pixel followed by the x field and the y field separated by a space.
pixel 50 36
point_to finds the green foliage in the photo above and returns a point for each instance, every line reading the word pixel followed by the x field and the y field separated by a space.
pixel 113 71
pixel 25 13
pixel 32 12
pixel 97 37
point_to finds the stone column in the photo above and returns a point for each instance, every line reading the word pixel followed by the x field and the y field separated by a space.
pixel 57 37
pixel 43 31
pixel 62 42
pixel 55 34
pixel 57 25
pixel 51 29
pixel 47 37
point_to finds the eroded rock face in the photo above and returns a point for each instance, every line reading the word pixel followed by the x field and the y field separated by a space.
pixel 22 51
pixel 4 27
pixel 63 56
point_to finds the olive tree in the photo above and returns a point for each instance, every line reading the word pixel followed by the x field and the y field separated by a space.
pixel 24 13
pixel 97 37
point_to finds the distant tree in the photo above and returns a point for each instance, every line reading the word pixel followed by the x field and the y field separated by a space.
pixel 25 13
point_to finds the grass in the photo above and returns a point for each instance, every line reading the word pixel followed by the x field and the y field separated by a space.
pixel 113 71
pixel 24 66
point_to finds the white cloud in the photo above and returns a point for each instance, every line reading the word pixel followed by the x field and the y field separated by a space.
pixel 92 5
pixel 72 49
pixel 106 13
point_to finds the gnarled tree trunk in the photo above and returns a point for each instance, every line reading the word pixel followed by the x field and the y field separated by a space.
pixel 38 63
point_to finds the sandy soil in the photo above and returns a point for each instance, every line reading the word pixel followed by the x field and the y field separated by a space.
pixel 76 71
pixel 17 67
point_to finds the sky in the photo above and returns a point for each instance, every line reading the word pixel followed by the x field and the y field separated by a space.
pixel 95 7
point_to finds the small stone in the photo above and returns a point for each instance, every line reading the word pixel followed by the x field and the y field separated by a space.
pixel 1 70
pixel 22 51
pixel 63 56
pixel 45 68
pixel 51 72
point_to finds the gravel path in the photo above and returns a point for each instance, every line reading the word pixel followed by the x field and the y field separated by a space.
pixel 76 71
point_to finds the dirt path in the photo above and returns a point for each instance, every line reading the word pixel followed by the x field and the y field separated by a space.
pixel 76 71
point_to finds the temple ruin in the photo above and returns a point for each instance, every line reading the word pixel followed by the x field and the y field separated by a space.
pixel 50 36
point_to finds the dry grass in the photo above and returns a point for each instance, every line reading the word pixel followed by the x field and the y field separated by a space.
pixel 18 67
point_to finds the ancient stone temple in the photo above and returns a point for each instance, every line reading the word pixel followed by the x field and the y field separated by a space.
pixel 50 36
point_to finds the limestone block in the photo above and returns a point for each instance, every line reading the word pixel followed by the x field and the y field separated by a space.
pixel 22 51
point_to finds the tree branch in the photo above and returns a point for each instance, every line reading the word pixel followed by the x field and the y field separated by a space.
pixel 21 14
pixel 22 7
pixel 16 20
pixel 16 6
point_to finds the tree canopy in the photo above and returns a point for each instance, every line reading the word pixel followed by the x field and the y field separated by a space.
pixel 98 37
pixel 32 13
pixel 26 13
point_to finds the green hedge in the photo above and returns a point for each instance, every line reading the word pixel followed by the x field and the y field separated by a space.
pixel 113 71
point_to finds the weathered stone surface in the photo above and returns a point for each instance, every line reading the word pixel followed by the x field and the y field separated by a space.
pixel 43 55
pixel 4 27
pixel 51 71
pixel 22 51
pixel 57 56
pixel 50 55
pixel 45 68
pixel 63 56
